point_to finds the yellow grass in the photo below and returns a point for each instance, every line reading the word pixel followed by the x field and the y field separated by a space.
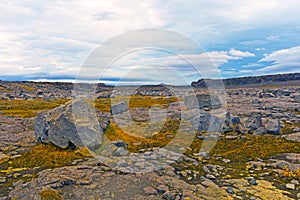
pixel 28 108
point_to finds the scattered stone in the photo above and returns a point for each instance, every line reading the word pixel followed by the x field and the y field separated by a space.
pixel 290 186
pixel 203 101
pixel 294 181
pixel 260 131
pixel 169 195
pixel 116 148
pixel 162 188
pixel 210 176
pixel 251 180
pixel 150 190
pixel 230 190
pixel 235 120
pixel 2 180
pixel 293 137
pixel 296 98
pixel 231 137
pixel 226 160
pixel 208 123
pixel 256 101
pixel 273 126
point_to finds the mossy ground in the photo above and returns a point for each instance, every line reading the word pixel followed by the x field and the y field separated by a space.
pixel 238 151
pixel 24 87
pixel 135 101
pixel 45 156
pixel 37 158
pixel 28 108
pixel 50 194
pixel 135 142
pixel 2 89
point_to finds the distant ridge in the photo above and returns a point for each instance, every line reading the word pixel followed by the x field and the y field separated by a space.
pixel 266 80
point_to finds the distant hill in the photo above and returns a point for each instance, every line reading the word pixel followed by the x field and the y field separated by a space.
pixel 292 79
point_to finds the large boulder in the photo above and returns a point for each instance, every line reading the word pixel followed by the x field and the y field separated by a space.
pixel 58 127
pixel 252 123
pixel 119 108
pixel 273 126
pixel 207 123
pixel 203 101
pixel 297 98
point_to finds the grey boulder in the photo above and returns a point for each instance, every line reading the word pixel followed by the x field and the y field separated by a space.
pixel 273 126
pixel 203 101
pixel 119 108
pixel 58 127
pixel 252 123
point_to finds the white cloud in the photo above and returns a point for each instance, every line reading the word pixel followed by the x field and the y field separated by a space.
pixel 254 42
pixel 290 55
pixel 55 37
pixel 260 49
pixel 273 38
pixel 241 54
pixel 281 61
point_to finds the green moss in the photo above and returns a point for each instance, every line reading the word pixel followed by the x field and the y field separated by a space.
pixel 159 139
pixel 135 101
pixel 25 87
pixel 50 194
pixel 2 89
pixel 45 156
pixel 28 108
pixel 250 148
pixel 239 151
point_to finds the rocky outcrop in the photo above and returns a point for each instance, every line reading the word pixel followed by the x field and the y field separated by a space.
pixel 58 127
pixel 203 101
pixel 242 81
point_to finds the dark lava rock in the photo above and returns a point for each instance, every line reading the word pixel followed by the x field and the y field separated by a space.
pixel 234 82
pixel 235 120
pixel 58 127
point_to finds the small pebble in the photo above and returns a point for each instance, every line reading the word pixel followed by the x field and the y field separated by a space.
pixel 290 186
pixel 230 190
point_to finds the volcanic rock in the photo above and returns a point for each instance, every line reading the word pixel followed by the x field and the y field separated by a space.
pixel 58 127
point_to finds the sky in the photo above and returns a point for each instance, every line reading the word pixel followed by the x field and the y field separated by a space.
pixel 51 40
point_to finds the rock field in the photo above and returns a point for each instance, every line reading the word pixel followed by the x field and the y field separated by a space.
pixel 247 148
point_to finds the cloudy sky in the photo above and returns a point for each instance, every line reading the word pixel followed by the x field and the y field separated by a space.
pixel 50 40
